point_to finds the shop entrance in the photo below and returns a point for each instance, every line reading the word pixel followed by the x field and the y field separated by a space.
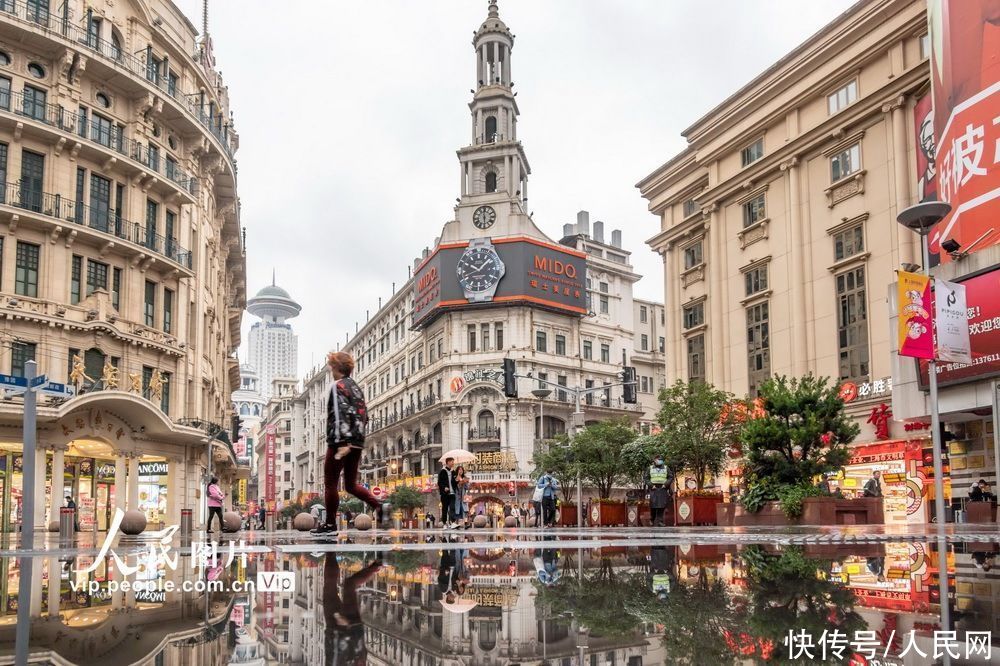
pixel 89 478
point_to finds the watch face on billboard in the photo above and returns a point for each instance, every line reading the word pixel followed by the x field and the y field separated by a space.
pixel 517 270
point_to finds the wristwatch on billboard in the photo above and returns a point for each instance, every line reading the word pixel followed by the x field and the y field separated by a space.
pixel 480 270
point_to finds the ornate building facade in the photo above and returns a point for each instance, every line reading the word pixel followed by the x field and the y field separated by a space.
pixel 123 266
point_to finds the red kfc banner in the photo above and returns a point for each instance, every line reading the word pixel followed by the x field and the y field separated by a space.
pixel 965 78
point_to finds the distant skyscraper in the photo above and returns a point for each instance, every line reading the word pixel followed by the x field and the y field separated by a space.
pixel 274 346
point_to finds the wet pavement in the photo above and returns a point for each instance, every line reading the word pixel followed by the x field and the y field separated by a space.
pixel 622 597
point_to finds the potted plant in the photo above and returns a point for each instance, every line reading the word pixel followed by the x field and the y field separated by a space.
pixel 699 429
pixel 801 435
pixel 406 499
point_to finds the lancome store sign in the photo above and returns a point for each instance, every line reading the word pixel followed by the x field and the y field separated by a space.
pixel 535 273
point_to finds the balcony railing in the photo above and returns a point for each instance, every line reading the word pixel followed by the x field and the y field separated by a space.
pixel 103 219
pixel 488 433
pixel 146 67
pixel 109 136
pixel 375 425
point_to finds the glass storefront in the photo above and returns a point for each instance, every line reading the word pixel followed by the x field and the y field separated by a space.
pixel 153 489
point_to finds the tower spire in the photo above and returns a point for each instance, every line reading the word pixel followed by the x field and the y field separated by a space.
pixel 204 18
pixel 273 272
pixel 493 9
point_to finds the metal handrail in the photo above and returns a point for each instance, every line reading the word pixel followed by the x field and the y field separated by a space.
pixel 103 220
pixel 59 24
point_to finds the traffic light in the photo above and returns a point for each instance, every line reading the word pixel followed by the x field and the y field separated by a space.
pixel 629 390
pixel 509 380
pixel 236 425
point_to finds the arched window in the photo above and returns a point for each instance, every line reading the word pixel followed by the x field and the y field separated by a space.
pixel 244 409
pixel 256 410
pixel 491 181
pixel 491 129
pixel 552 428
pixel 485 421
pixel 487 635
pixel 436 433
pixel 116 45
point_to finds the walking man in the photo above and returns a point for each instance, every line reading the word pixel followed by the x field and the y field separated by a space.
pixel 550 486
pixel 872 486
pixel 658 497
pixel 446 489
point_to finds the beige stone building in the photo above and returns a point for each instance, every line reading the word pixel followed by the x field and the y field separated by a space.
pixel 777 221
pixel 123 268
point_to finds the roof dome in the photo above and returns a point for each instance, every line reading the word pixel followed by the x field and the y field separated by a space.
pixel 273 302
pixel 272 290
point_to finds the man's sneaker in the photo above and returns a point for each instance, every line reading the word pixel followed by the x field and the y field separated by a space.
pixel 324 529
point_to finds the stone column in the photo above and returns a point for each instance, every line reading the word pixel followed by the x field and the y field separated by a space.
pixel 672 358
pixel 56 483
pixel 36 589
pixel 54 582
pixel 117 596
pixel 798 278
pixel 715 348
pixel 39 517
pixel 133 481
pixel 120 489
pixel 900 161
pixel 173 492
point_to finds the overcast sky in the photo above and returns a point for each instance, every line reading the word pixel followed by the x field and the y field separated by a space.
pixel 350 112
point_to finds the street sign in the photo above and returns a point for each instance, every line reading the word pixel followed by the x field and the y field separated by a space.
pixel 377 492
pixel 10 381
pixel 38 381
pixel 57 390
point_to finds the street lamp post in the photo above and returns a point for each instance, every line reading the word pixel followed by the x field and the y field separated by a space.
pixel 921 218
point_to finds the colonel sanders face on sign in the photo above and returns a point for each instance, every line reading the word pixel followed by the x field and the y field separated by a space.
pixel 915 329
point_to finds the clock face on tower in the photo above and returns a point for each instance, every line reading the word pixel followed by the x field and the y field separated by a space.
pixel 484 217
pixel 479 269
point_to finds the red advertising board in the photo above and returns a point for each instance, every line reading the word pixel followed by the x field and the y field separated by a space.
pixel 984 332
pixel 965 79
pixel 269 461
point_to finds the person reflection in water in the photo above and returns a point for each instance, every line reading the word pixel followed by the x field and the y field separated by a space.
pixel 345 633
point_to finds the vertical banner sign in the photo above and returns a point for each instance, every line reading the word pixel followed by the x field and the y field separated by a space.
pixel 269 458
pixel 243 492
pixel 916 328
pixel 951 316
pixel 923 119
pixel 965 80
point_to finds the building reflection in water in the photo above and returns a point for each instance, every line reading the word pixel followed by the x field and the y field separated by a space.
pixel 492 606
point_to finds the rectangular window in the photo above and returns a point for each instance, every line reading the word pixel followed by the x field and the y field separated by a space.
pixel 843 98
pixel 21 353
pixel 602 287
pixel 848 243
pixel 33 103
pixel 561 345
pixel 484 331
pixel 165 397
pixel 644 384
pixel 119 207
pixel 153 157
pixel 846 162
pixel 499 335
pixel 168 310
pixel 172 83
pixel 588 350
pixel 153 67
pixel 76 279
pixel 152 214
pixel 82 123
pixel 644 342
pixel 4 93
pixel 692 255
pixel 852 325
pixel 3 171
pixel 150 303
pixel 643 314
pixel 116 288
pixel 561 395
pixel 696 358
pixel 472 337
pixel 97 276
pixel 440 347
pixel 147 378
pixel 32 177
pixel 758 345
pixel 663 344
pixel 81 188
pixel 101 130
pixel 755 280
pixel 589 397
pixel 925 46
pixel 542 377
pixel 100 203
pixel 694 315
pixel 605 305
pixel 753 152
pixel 541 341
pixel 26 269
pixel 605 353
pixel 754 211
pixel 690 207
pixel 169 224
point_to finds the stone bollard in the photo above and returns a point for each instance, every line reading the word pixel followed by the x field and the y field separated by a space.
pixel 187 523
pixel 269 521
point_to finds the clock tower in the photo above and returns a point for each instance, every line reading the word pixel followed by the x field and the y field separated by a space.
pixel 494 168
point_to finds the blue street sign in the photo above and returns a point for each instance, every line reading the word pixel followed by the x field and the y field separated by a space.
pixel 10 381
pixel 57 390
pixel 39 380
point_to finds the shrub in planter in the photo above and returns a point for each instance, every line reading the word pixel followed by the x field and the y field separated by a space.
pixel 406 499
pixel 699 428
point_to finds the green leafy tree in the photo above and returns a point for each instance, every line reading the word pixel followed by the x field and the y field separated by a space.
pixel 596 454
pixel 406 498
pixel 803 432
pixel 602 600
pixel 699 427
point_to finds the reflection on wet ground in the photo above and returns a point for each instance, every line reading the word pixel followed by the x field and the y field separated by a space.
pixel 836 596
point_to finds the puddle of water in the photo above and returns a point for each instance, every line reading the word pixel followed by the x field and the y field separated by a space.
pixel 469 602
